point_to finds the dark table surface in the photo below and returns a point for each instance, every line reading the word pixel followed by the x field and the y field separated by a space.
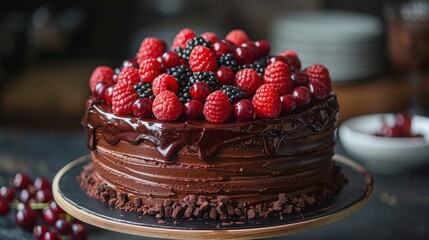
pixel 398 209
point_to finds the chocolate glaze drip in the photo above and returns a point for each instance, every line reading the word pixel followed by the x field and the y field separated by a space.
pixel 168 137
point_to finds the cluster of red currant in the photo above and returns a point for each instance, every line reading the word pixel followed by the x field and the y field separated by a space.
pixel 30 199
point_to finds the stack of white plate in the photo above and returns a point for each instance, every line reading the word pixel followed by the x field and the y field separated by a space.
pixel 349 44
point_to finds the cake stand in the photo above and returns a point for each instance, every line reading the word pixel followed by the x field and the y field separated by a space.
pixel 69 196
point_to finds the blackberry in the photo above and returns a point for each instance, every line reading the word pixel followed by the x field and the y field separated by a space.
pixel 181 74
pixel 208 77
pixel 234 93
pixel 190 44
pixel 227 60
pixel 144 90
pixel 259 66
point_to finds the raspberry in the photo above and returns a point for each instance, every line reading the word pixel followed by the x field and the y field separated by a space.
pixel 217 108
pixel 129 76
pixel 101 74
pixel 277 75
pixel 266 102
pixel 249 80
pixel 150 48
pixel 149 69
pixel 167 106
pixel 190 45
pixel 123 98
pixel 164 82
pixel 318 72
pixel 237 37
pixel 210 37
pixel 202 59
pixel 182 37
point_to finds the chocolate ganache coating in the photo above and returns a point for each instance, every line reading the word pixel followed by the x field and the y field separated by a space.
pixel 249 162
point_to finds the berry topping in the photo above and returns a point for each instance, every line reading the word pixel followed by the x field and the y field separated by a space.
pixel 41 183
pixel 245 55
pixel 149 69
pixel 222 47
pixel 108 93
pixel 44 196
pixel 266 102
pixel 170 59
pixel 129 76
pixel 21 181
pixel 208 77
pixel 199 91
pixel 318 72
pixel 150 48
pixel 289 53
pixel 101 74
pixel 142 108
pixel 217 108
pixel 288 103
pixel 167 106
pixel 144 90
pixel 237 37
pixel 225 76
pixel 234 93
pixel 263 47
pixel 302 96
pixel 293 63
pixel 26 218
pixel 318 90
pixel 49 215
pixel 202 59
pixel 182 37
pixel 277 75
pixel 299 79
pixel 210 37
pixel 249 80
pixel 164 82
pixel 123 98
pixel 100 90
pixel 243 110
pixel 227 60
pixel 193 110
pixel 181 74
pixel 190 45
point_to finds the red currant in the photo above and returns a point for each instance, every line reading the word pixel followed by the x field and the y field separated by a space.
pixel 108 93
pixel 50 236
pixel 301 95
pixel 288 103
pixel 222 47
pixel 7 193
pixel 4 207
pixel 50 216
pixel 277 58
pixel 25 195
pixel 264 47
pixel 41 183
pixel 294 63
pixel 142 108
pixel 132 62
pixel 170 59
pixel 244 55
pixel 63 227
pixel 318 90
pixel 243 110
pixel 56 210
pixel 193 109
pixel 39 231
pixel 226 76
pixel 44 196
pixel 199 91
pixel 21 181
pixel 26 218
pixel 299 79
pixel 79 231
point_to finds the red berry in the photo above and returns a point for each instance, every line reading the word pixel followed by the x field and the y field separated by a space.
pixel 266 102
pixel 182 37
pixel 299 79
pixel 41 183
pixel 289 53
pixel 318 72
pixel 318 90
pixel 302 96
pixel 123 98
pixel 249 80
pixel 167 106
pixel 132 62
pixel 202 59
pixel 193 110
pixel 108 93
pixel 245 55
pixel 149 69
pixel 170 59
pixel 63 227
pixel 39 231
pixel 164 82
pixel 25 195
pixel 99 90
pixel 293 63
pixel 21 181
pixel 237 37
pixel 184 63
pixel 288 103
pixel 142 108
pixel 254 51
pixel 129 76
pixel 277 58
pixel 199 91
pixel 217 108
pixel 55 209
pixel 243 110
pixel 26 218
pixel 210 36
pixel 44 196
pixel 50 236
pixel 4 207
pixel 263 47
pixel 7 193
pixel 222 47
pixel 277 75
pixel 226 76
pixel 101 74
pixel 49 215
pixel 150 48
pixel 79 231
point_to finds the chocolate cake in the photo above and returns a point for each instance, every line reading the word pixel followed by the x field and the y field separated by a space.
pixel 212 161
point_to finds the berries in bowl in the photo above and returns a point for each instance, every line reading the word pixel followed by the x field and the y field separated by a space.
pixel 387 143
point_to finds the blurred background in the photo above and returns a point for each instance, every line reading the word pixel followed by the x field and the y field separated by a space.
pixel 48 49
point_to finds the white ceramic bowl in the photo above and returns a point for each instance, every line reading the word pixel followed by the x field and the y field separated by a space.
pixel 385 154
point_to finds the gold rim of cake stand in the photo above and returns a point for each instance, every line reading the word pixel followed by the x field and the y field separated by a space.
pixel 259 232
